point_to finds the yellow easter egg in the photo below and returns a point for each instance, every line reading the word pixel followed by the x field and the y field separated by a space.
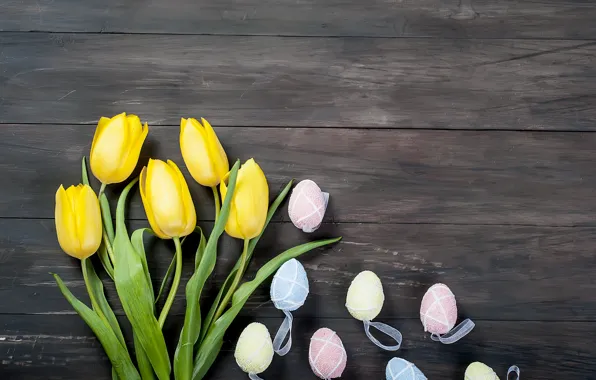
pixel 365 296
pixel 254 350
pixel 480 371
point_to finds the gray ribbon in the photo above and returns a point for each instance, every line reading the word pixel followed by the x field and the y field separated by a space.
pixel 513 370
pixel 254 376
pixel 456 333
pixel 284 330
pixel 385 329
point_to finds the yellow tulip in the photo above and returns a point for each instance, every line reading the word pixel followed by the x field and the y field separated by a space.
pixel 116 147
pixel 78 221
pixel 248 210
pixel 167 200
pixel 202 152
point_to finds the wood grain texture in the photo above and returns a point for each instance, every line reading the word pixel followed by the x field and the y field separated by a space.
pixel 497 273
pixel 293 82
pixel 61 347
pixel 404 18
pixel 379 176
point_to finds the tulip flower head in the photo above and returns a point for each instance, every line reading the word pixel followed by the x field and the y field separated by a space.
pixel 248 210
pixel 167 200
pixel 202 152
pixel 78 221
pixel 116 147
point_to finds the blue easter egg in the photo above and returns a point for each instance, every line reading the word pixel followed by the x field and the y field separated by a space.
pixel 290 286
pixel 400 369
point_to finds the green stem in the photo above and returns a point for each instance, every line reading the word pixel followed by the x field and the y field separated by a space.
pixel 224 303
pixel 217 202
pixel 170 300
pixel 102 189
pixel 106 241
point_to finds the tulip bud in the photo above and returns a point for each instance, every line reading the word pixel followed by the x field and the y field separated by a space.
pixel 116 147
pixel 167 200
pixel 78 221
pixel 202 152
pixel 248 210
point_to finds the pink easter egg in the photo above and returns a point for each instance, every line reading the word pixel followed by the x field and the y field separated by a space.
pixel 438 311
pixel 307 206
pixel 326 354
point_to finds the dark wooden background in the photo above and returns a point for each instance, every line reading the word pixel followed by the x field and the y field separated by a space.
pixel 456 137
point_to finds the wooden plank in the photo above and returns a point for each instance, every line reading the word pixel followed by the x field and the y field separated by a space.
pixel 497 272
pixel 387 176
pixel 300 82
pixel 61 346
pixel 405 18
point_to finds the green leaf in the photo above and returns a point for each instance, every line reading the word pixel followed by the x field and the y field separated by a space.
pixel 106 216
pixel 102 252
pixel 118 355
pixel 137 242
pixel 200 249
pixel 98 298
pixel 212 343
pixel 143 361
pixel 136 294
pixel 84 175
pixel 251 247
pixel 183 358
pixel 166 278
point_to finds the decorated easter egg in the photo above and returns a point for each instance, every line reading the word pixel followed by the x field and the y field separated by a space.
pixel 480 371
pixel 254 350
pixel 307 206
pixel 289 287
pixel 326 354
pixel 365 296
pixel 438 311
pixel 401 369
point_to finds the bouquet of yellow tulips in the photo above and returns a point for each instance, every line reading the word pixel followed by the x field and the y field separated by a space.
pixel 84 226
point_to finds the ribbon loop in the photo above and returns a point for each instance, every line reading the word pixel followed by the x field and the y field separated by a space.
pixel 254 376
pixel 385 329
pixel 513 370
pixel 456 333
pixel 284 330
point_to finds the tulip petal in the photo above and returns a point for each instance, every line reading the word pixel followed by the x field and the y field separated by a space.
pixel 132 157
pixel 134 126
pixel 189 207
pixel 101 125
pixel 251 199
pixel 216 151
pixel 195 153
pixel 109 147
pixel 66 224
pixel 88 221
pixel 147 204
pixel 163 192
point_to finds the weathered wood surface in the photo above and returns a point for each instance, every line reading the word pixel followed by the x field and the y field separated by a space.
pixel 456 138
pixel 569 19
pixel 497 272
pixel 57 347
pixel 380 176
pixel 308 82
